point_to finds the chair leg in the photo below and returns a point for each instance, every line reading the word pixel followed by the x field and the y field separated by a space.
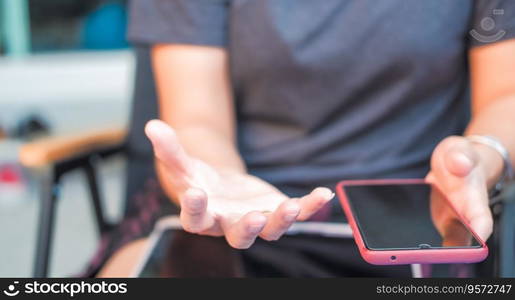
pixel 507 242
pixel 50 190
pixel 102 224
pixel 497 211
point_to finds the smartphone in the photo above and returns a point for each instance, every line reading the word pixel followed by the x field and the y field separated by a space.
pixel 173 252
pixel 407 221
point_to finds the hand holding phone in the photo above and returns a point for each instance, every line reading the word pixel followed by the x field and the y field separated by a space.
pixel 449 226
pixel 407 221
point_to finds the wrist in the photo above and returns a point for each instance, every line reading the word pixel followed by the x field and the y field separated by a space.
pixel 490 162
pixel 216 149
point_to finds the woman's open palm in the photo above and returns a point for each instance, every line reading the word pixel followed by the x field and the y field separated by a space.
pixel 230 203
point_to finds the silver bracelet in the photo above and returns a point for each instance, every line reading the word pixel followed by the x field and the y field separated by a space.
pixel 492 142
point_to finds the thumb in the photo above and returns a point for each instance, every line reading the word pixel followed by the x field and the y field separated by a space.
pixel 167 147
pixel 460 159
pixel 482 224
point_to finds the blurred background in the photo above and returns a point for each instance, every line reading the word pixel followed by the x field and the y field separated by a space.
pixel 65 66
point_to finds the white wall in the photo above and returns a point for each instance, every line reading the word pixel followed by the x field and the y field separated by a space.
pixel 73 90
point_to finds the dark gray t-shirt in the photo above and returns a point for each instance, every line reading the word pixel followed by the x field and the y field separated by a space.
pixel 337 89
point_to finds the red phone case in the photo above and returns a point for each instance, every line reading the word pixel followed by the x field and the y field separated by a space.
pixel 408 256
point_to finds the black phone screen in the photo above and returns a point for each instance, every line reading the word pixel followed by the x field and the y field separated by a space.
pixel 407 216
pixel 178 253
pixel 153 266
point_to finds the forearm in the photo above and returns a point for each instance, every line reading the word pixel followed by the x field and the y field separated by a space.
pixel 195 99
pixel 496 119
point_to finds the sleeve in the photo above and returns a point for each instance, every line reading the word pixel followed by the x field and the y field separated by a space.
pixel 197 22
pixel 492 21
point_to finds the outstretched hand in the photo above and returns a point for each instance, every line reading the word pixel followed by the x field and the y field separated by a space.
pixel 231 203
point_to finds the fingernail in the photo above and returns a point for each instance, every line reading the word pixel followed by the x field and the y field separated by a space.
pixel 257 224
pixel 149 130
pixel 195 204
pixel 460 164
pixel 326 193
pixel 328 196
pixel 292 211
pixel 465 159
pixel 194 192
pixel 253 229
pixel 195 199
pixel 290 217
